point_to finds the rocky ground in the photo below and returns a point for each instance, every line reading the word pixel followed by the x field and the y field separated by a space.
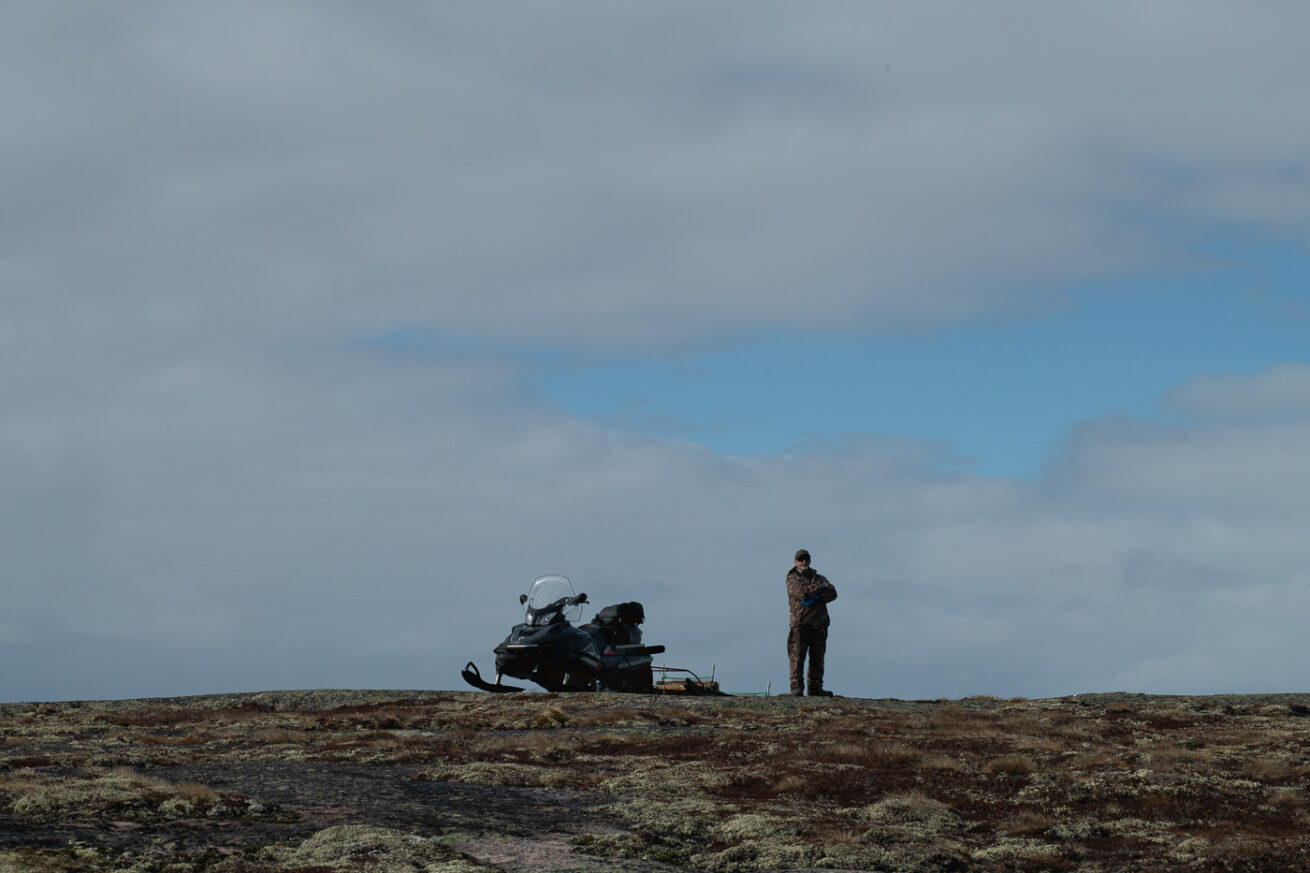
pixel 455 781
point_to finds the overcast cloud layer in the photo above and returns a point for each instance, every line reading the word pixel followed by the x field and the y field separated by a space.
pixel 275 277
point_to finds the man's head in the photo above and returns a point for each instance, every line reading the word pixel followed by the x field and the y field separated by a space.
pixel 802 559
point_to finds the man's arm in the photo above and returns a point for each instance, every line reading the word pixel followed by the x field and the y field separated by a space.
pixel 811 591
pixel 824 592
pixel 801 589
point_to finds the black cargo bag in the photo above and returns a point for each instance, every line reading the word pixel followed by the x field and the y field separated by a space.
pixel 621 613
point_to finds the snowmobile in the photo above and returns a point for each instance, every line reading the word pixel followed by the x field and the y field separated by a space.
pixel 546 648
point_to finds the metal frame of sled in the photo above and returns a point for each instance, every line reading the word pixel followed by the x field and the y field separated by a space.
pixel 689 684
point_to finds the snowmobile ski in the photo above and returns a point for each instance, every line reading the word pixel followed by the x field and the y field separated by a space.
pixel 473 677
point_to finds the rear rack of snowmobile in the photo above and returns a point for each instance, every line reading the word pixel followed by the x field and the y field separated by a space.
pixel 689 683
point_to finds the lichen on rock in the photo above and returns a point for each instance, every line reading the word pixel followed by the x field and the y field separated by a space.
pixel 358 847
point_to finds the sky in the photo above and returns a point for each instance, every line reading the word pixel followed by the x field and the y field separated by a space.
pixel 325 328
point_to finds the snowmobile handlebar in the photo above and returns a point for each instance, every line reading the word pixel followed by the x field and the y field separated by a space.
pixel 554 611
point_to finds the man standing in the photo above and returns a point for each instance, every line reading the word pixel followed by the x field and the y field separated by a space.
pixel 808 594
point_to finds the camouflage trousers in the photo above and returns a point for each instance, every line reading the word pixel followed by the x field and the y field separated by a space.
pixel 811 640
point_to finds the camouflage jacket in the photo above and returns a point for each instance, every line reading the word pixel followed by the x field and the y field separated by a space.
pixel 805 586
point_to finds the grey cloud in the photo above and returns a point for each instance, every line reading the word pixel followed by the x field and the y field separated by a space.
pixel 1281 392
pixel 1231 468
pixel 1151 568
pixel 536 175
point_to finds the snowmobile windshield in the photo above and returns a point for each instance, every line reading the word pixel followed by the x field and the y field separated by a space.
pixel 551 599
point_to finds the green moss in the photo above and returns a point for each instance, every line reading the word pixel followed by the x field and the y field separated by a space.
pixel 908 818
pixel 359 847
pixel 690 817
pixel 930 858
pixel 84 859
pixel 660 778
pixel 756 856
pixel 492 773
pixel 756 826
pixel 610 845
pixel 1015 849
pixel 48 861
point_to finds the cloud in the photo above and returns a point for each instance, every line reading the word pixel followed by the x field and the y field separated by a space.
pixel 1281 392
pixel 298 170
pixel 223 468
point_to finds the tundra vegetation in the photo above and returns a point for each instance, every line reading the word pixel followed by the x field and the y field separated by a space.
pixel 455 781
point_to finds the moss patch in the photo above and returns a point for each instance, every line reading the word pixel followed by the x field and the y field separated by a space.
pixel 359 848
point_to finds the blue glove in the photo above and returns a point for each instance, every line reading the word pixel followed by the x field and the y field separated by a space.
pixel 810 601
